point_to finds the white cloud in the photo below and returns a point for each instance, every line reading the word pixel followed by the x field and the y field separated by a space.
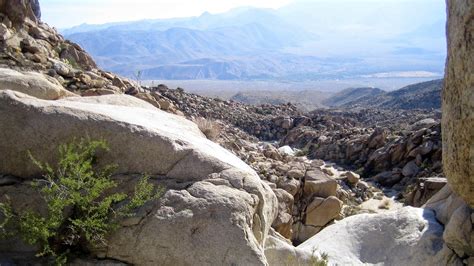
pixel 62 13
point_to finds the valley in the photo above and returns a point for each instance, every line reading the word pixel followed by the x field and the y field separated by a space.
pixel 307 96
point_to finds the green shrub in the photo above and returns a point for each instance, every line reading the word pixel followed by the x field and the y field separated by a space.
pixel 303 152
pixel 82 209
pixel 72 63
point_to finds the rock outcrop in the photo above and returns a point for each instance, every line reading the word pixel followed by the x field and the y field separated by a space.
pixel 458 100
pixel 410 236
pixel 211 193
pixel 20 10
pixel 32 83
pixel 456 216
pixel 28 44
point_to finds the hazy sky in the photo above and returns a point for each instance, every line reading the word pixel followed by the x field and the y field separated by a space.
pixel 67 13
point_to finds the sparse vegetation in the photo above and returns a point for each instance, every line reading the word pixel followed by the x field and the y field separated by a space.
pixel 82 209
pixel 316 260
pixel 138 77
pixel 303 152
pixel 211 129
pixel 72 63
pixel 385 204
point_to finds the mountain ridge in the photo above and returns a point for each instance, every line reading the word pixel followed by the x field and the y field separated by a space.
pixel 248 38
pixel 424 95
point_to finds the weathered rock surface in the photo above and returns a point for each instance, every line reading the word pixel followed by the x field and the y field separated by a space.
pixel 169 142
pixel 27 44
pixel 19 10
pixel 32 83
pixel 319 184
pixel 321 211
pixel 280 251
pixel 409 236
pixel 456 215
pixel 458 100
pixel 211 193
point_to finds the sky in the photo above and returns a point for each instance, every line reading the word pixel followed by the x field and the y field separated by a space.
pixel 68 13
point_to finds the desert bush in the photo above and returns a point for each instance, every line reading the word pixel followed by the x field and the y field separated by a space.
pixel 302 152
pixel 81 209
pixel 211 129
pixel 72 63
pixel 316 260
pixel 385 204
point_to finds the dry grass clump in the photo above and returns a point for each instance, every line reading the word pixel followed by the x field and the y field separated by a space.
pixel 385 204
pixel 210 128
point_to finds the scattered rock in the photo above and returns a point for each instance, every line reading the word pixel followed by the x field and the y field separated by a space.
pixel 410 169
pixel 286 150
pixel 352 177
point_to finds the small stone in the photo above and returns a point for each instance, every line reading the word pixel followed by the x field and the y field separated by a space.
pixel 352 177
pixel 410 169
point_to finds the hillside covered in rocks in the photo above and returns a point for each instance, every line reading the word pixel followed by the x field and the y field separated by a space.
pixel 242 184
pixel 425 95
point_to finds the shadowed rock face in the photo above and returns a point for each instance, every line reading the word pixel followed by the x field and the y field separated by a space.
pixel 19 10
pixel 458 100
pixel 35 6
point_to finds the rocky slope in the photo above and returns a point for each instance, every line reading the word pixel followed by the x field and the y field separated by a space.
pixel 304 100
pixel 27 44
pixel 351 95
pixel 425 95
pixel 266 121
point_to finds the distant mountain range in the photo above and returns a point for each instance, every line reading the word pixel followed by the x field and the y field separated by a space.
pixel 297 42
pixel 425 95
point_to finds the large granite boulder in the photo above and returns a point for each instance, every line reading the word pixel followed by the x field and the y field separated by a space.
pixel 167 144
pixel 409 236
pixel 216 210
pixel 32 83
pixel 458 100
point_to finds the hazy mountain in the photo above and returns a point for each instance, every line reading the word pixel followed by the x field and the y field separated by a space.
pixel 425 95
pixel 351 95
pixel 301 41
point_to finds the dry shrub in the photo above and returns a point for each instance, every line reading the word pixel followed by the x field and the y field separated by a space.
pixel 385 204
pixel 211 129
